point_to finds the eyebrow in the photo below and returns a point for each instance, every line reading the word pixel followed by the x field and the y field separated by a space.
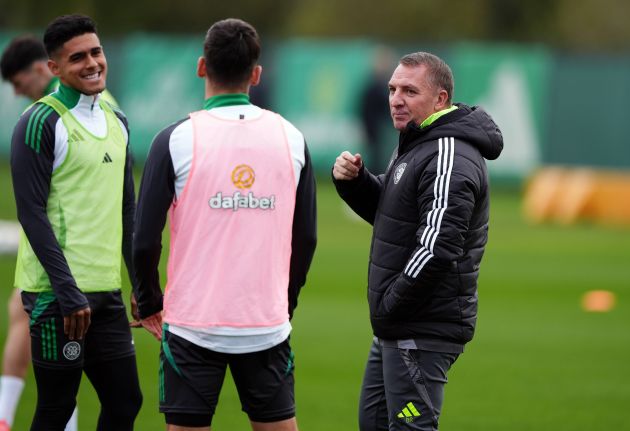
pixel 77 55
pixel 80 54
pixel 404 87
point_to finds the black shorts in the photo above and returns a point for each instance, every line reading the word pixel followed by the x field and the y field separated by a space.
pixel 108 336
pixel 191 378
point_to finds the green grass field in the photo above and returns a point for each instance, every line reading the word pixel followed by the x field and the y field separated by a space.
pixel 538 362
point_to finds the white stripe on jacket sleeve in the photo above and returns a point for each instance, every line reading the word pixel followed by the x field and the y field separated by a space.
pixel 446 150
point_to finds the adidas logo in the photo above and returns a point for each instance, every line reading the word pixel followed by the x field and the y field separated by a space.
pixel 107 159
pixel 409 413
pixel 75 136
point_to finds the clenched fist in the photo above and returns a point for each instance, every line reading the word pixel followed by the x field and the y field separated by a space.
pixel 347 166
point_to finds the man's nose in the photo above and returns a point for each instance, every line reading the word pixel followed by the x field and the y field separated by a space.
pixel 91 62
pixel 395 99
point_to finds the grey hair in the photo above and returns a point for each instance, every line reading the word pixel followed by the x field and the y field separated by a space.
pixel 439 74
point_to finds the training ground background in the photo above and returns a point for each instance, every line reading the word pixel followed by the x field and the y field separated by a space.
pixel 537 362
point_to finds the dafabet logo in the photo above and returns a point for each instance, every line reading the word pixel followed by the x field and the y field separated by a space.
pixel 243 177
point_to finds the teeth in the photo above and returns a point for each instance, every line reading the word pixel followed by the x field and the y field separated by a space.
pixel 92 76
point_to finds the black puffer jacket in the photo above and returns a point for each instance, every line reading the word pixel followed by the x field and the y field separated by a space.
pixel 430 217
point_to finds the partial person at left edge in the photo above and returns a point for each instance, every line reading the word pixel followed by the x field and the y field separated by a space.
pixel 24 64
pixel 73 185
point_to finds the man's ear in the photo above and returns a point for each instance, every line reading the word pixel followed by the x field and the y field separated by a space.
pixel 442 100
pixel 254 79
pixel 41 67
pixel 53 66
pixel 201 67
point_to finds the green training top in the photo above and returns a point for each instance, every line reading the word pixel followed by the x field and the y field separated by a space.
pixel 84 205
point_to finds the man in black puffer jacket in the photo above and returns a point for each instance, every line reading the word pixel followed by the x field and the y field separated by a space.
pixel 430 216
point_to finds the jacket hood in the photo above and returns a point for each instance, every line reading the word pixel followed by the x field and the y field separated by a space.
pixel 470 124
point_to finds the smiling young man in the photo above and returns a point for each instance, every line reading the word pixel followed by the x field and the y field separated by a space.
pixel 430 216
pixel 24 64
pixel 74 194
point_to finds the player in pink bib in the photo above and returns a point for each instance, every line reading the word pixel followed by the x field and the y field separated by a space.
pixel 237 184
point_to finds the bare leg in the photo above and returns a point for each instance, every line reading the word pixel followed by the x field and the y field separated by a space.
pixel 285 425
pixel 17 347
pixel 73 422
pixel 16 357
pixel 17 352
pixel 179 428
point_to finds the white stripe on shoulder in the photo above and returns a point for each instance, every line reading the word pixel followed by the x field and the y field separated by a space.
pixel 61 144
pixel 180 146
pixel 124 130
pixel 449 153
pixel 446 151
pixel 296 146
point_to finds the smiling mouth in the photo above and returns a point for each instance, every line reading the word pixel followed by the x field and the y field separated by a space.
pixel 92 76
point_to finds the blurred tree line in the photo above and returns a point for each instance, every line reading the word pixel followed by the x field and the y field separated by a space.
pixel 582 25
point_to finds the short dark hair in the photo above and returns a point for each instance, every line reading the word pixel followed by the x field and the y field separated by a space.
pixel 231 50
pixel 20 54
pixel 64 28
pixel 440 74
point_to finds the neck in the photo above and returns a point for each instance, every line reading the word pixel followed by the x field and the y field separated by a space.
pixel 53 84
pixel 70 96
pixel 215 90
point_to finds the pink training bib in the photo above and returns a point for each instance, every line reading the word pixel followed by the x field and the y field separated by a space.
pixel 231 227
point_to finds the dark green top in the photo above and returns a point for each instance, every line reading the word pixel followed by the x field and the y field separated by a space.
pixel 222 100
